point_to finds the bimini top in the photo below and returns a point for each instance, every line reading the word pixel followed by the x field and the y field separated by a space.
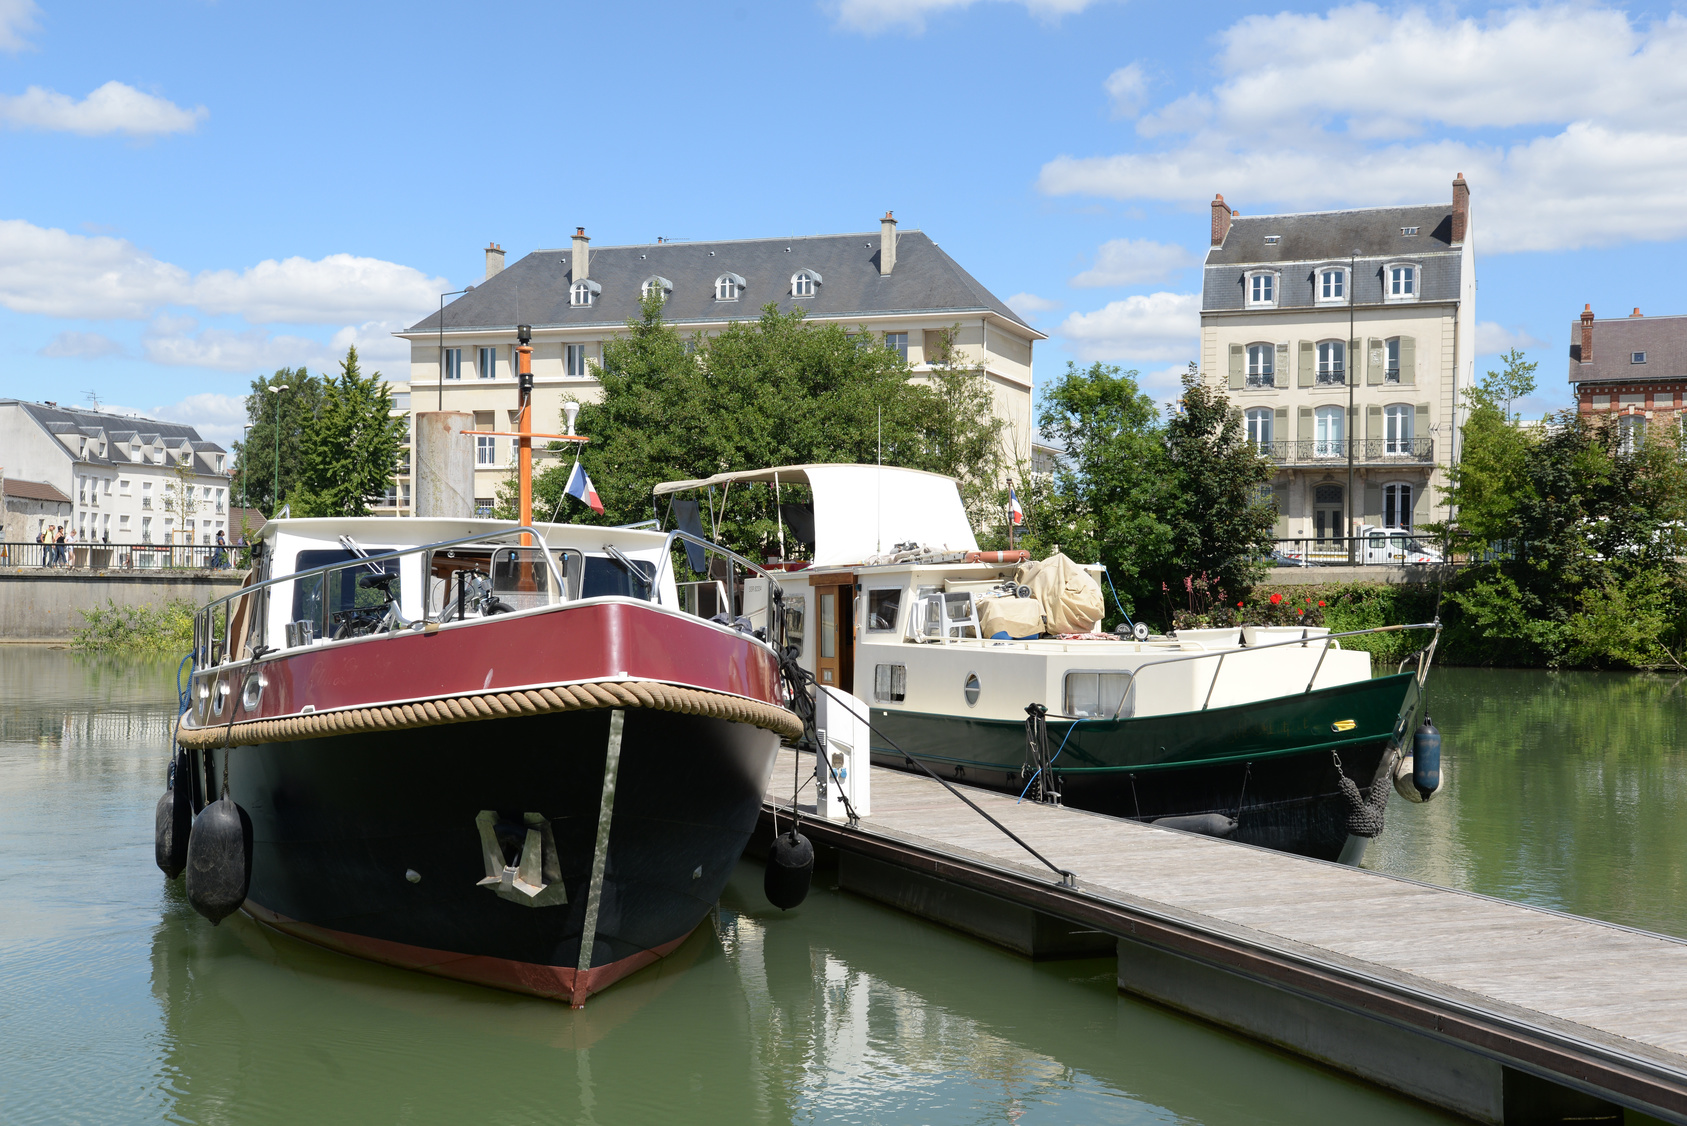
pixel 864 510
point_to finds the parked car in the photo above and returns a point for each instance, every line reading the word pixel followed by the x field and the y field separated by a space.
pixel 1385 547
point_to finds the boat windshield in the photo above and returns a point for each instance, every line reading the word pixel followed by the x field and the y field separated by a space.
pixel 351 594
pixel 605 577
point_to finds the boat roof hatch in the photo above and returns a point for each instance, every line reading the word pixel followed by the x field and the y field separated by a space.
pixel 864 510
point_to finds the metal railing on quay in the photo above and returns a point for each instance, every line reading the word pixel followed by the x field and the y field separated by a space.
pixel 1392 548
pixel 83 556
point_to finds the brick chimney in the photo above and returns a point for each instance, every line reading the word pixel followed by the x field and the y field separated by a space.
pixel 1587 334
pixel 887 244
pixel 1461 207
pixel 1634 314
pixel 494 260
pixel 1221 220
pixel 582 260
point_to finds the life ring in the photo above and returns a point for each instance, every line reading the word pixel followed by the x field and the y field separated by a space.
pixel 1020 556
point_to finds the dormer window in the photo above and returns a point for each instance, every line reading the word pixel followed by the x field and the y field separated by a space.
pixel 804 283
pixel 1408 232
pixel 584 292
pixel 1402 283
pixel 1332 283
pixel 1273 240
pixel 655 286
pixel 1637 357
pixel 728 287
pixel 1262 288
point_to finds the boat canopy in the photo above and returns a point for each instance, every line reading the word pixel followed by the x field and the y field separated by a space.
pixel 864 510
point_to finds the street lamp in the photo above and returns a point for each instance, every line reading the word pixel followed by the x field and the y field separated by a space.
pixel 442 297
pixel 1352 425
pixel 275 499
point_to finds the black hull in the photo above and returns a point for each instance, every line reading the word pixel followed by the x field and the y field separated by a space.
pixel 338 822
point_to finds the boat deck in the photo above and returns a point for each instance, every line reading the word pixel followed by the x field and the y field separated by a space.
pixel 1455 998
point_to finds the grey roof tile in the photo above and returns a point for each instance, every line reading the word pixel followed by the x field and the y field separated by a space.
pixel 534 289
pixel 70 420
pixel 1663 339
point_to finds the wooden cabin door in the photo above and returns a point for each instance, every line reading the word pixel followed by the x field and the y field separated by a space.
pixel 834 636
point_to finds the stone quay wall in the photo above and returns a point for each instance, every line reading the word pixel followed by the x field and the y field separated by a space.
pixel 44 605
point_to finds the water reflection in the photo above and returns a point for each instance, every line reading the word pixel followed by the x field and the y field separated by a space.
pixel 1565 790
pixel 118 1003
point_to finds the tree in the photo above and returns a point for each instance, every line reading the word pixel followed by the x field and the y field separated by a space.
pixel 1515 382
pixel 1222 515
pixel 350 451
pixel 1491 476
pixel 181 498
pixel 298 408
pixel 1112 490
pixel 774 391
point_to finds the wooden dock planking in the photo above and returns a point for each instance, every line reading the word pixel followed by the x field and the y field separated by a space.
pixel 1568 980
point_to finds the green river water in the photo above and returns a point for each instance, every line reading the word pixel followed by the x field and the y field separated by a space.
pixel 118 1004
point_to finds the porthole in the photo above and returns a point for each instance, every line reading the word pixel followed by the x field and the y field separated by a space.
pixel 220 699
pixel 972 689
pixel 253 692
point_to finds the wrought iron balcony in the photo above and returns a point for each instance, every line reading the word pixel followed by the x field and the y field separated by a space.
pixel 1366 451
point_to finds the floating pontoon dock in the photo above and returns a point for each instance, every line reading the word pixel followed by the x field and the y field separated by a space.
pixel 1496 1011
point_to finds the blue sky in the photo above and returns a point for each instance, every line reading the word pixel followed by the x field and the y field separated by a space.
pixel 198 192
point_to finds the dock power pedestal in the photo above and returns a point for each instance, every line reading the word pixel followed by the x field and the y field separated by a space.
pixel 846 747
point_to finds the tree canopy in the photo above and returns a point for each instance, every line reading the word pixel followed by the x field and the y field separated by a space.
pixel 778 390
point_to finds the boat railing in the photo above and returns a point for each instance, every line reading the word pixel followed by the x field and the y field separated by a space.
pixel 667 561
pixel 212 644
pixel 1424 655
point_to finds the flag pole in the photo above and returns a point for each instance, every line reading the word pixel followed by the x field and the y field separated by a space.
pixel 1011 528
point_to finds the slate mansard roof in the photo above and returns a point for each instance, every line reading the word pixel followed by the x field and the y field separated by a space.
pixel 1663 339
pixel 1312 239
pixel 535 289
pixel 116 431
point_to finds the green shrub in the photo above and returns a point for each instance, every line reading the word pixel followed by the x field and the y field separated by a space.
pixel 166 626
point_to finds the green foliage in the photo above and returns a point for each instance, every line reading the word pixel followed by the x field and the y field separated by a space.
pixel 1168 506
pixel 165 626
pixel 256 457
pixel 775 391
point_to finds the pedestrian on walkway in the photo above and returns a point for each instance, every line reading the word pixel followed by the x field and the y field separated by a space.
pixel 220 559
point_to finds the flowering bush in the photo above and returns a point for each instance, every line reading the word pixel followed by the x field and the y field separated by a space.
pixel 1208 608
pixel 1277 609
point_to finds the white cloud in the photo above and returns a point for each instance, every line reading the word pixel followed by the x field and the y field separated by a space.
pixel 17 20
pixel 1590 154
pixel 113 108
pixel 1155 328
pixel 872 16
pixel 1029 304
pixel 1128 88
pixel 97 277
pixel 1124 261
pixel 257 350
pixel 1493 338
pixel 1165 381
pixel 82 346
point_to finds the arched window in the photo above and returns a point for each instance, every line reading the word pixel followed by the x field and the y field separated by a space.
pixel 584 292
pixel 1397 507
pixel 1327 432
pixel 656 286
pixel 804 283
pixel 1332 361
pixel 1261 358
pixel 728 287
pixel 1332 284
pixel 1259 427
pixel 1262 288
pixel 1397 429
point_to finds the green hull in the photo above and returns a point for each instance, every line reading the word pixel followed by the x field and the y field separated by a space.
pixel 1271 764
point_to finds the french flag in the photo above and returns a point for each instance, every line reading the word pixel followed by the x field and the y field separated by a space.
pixel 1013 506
pixel 580 487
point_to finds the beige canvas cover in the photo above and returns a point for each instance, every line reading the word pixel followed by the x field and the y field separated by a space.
pixel 1016 617
pixel 1070 597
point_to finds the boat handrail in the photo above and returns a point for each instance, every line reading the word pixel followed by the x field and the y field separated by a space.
pixel 203 640
pixel 708 545
pixel 1302 641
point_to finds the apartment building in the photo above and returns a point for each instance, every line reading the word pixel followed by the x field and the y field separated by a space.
pixel 120 473
pixel 900 290
pixel 1345 339
pixel 1633 368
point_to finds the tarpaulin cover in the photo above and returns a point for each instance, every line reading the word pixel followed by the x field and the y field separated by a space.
pixel 1016 617
pixel 1071 598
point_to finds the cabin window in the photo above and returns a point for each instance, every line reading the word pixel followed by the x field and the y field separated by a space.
pixel 341 603
pixel 882 608
pixel 606 577
pixel 796 609
pixel 1097 693
pixel 890 683
pixel 828 626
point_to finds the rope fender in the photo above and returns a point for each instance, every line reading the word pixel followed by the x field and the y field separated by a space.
pixel 649 694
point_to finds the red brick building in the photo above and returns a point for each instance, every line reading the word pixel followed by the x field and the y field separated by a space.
pixel 1634 367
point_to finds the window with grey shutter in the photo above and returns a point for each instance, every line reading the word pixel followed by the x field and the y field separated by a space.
pixel 1420 426
pixel 1280 497
pixel 1282 379
pixel 1408 360
pixel 1303 426
pixel 1421 513
pixel 1355 349
pixel 1235 367
pixel 1373 424
pixel 1308 362
pixel 1373 361
pixel 1280 432
pixel 1373 503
